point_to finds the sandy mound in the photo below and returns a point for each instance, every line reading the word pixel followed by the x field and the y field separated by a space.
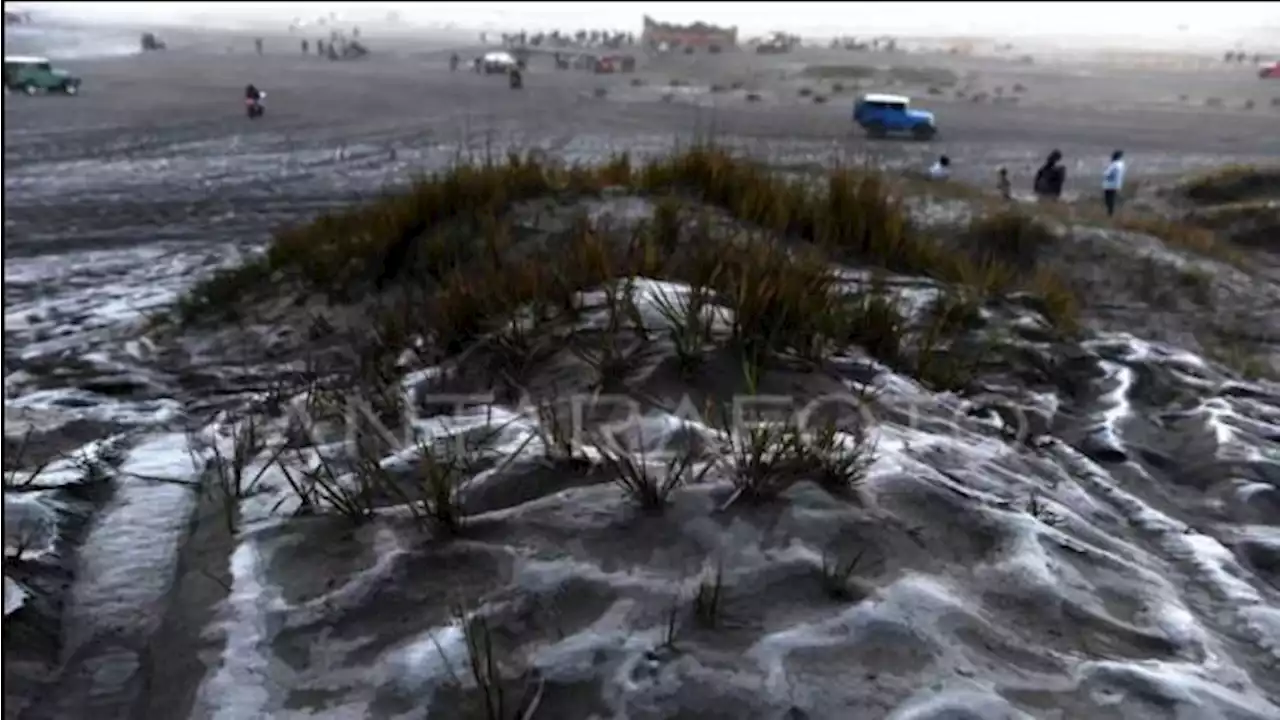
pixel 934 502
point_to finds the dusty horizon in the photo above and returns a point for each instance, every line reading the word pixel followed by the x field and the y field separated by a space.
pixel 1124 23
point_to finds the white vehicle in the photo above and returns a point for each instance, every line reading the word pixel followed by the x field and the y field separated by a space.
pixel 497 62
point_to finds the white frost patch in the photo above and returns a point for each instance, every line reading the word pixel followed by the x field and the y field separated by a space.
pixel 434 658
pixel 1213 562
pixel 15 596
pixel 963 702
pixel 30 525
pixel 1111 681
pixel 128 559
pixel 914 603
pixel 238 688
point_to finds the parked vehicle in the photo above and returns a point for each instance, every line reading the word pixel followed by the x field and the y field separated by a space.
pixel 1270 72
pixel 881 115
pixel 496 63
pixel 617 63
pixel 777 44
pixel 31 75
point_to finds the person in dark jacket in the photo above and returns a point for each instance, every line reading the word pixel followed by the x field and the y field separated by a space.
pixel 1050 178
pixel 251 92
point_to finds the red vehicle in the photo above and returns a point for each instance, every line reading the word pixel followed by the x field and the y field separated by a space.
pixel 615 63
pixel 1271 71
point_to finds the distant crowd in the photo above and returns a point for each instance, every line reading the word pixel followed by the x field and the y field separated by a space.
pixel 1050 179
pixel 581 38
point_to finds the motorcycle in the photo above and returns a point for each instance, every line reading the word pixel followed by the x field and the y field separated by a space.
pixel 254 107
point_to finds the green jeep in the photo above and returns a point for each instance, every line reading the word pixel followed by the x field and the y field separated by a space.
pixel 34 74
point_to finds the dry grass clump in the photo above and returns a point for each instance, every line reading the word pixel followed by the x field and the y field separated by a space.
pixel 466 282
pixel 1187 236
pixel 1235 183
pixel 1009 238
pixel 770 449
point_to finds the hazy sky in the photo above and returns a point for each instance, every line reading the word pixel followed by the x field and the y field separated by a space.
pixel 1112 19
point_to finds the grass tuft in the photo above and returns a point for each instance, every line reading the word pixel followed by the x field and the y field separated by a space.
pixel 1009 238
pixel 1235 183
pixel 637 478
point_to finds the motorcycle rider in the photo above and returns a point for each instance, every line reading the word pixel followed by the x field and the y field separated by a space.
pixel 252 99
pixel 517 81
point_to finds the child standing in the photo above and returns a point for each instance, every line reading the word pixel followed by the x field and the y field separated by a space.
pixel 941 169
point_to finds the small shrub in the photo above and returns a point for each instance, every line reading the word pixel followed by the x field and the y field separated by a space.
pixel 1008 237
pixel 780 300
pixel 873 322
pixel 484 664
pixel 1235 183
pixel 836 574
pixel 689 326
pixel 839 459
pixel 17 479
pixel 637 479
pixel 600 92
pixel 805 92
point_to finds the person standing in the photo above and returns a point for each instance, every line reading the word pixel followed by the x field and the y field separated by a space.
pixel 1003 185
pixel 1113 182
pixel 1050 178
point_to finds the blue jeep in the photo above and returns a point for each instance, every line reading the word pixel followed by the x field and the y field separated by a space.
pixel 880 115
